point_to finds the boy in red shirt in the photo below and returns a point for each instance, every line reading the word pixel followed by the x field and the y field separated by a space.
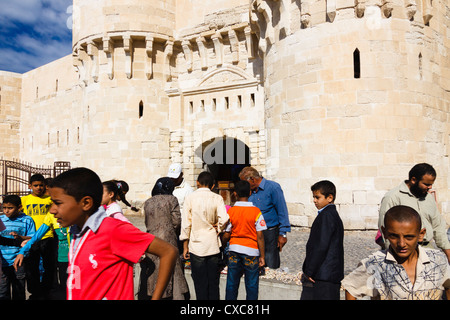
pixel 104 249
pixel 246 250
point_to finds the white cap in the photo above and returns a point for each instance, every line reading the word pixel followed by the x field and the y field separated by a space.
pixel 174 170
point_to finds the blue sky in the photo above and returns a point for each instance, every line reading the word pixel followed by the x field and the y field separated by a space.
pixel 33 33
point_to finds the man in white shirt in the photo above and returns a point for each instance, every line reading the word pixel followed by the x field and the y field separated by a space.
pixel 204 218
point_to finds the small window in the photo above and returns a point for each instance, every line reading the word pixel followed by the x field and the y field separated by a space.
pixel 141 109
pixel 252 99
pixel 239 101
pixel 214 104
pixel 191 107
pixel 420 66
pixel 227 103
pixel 356 64
pixel 202 104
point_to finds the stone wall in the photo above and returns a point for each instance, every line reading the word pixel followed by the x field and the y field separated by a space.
pixel 10 96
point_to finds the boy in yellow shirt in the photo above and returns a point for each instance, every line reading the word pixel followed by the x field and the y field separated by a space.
pixel 37 205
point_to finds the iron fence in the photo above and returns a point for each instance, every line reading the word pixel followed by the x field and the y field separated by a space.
pixel 15 175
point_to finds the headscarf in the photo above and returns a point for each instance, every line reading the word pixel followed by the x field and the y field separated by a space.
pixel 163 186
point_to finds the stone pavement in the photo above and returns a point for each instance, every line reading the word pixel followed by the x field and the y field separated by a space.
pixel 357 245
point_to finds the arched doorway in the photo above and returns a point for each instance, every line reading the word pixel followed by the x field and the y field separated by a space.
pixel 225 157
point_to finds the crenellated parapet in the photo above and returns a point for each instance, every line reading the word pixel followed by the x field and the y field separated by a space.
pixel 108 36
pixel 89 53
pixel 231 44
pixel 275 19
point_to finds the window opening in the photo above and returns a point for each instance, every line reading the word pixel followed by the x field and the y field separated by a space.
pixel 356 64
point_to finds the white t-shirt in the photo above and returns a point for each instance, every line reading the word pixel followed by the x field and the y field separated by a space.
pixel 181 191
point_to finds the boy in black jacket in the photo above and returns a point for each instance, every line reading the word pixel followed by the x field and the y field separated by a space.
pixel 323 268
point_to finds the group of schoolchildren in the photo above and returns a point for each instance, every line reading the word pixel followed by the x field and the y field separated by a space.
pixel 34 245
pixel 100 253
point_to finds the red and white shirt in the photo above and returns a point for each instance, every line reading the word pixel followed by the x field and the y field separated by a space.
pixel 101 259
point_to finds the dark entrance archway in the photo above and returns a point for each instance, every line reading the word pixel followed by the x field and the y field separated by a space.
pixel 225 157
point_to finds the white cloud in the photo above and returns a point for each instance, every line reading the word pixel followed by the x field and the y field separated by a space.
pixel 33 33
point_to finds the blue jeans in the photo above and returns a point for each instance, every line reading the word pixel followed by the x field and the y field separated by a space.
pixel 12 283
pixel 238 265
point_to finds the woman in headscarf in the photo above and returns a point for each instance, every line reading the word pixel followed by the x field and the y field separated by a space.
pixel 162 219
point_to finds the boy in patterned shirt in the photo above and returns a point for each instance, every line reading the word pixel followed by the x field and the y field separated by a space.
pixel 406 271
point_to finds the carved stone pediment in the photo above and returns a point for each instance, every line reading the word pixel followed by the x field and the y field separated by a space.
pixel 227 75
pixel 222 77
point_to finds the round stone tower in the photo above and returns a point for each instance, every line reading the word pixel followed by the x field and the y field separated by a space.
pixel 122 53
pixel 355 92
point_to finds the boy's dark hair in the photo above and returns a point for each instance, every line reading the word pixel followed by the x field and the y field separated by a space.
pixel 325 187
pixel 12 199
pixel 421 169
pixel 37 177
pixel 79 183
pixel 206 179
pixel 402 214
pixel 242 188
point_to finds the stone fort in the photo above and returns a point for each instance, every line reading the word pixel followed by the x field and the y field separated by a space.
pixel 354 91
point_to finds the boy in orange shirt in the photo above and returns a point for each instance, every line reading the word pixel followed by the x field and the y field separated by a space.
pixel 246 250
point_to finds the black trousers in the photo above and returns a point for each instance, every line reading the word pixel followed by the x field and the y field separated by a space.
pixel 47 249
pixel 206 276
pixel 321 290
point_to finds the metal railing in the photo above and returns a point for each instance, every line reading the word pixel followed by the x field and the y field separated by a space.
pixel 15 175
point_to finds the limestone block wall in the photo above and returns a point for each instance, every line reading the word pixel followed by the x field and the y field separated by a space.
pixel 10 97
pixel 117 126
pixel 356 97
pixel 51 126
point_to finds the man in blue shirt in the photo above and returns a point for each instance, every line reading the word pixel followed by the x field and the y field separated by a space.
pixel 268 196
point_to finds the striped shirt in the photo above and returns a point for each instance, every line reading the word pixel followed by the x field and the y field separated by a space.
pixel 23 225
